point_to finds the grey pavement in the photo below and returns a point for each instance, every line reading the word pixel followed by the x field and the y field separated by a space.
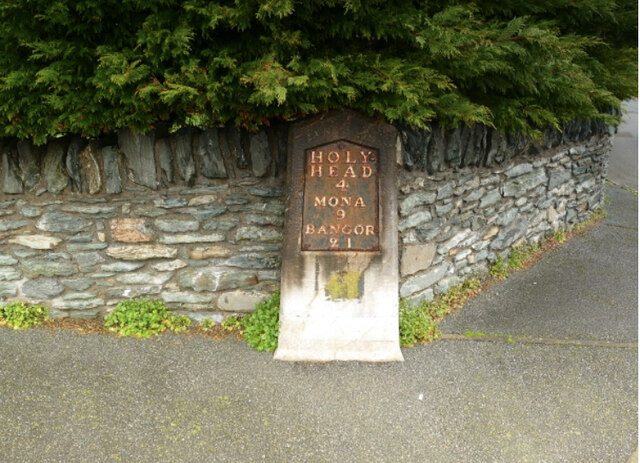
pixel 624 166
pixel 558 385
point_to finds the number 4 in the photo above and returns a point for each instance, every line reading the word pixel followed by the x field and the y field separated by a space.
pixel 342 185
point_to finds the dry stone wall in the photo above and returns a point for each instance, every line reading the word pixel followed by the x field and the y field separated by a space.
pixel 196 218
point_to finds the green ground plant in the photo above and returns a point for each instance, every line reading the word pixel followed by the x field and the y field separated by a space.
pixel 18 315
pixel 498 269
pixel 142 318
pixel 262 326
pixel 419 323
pixel 207 324
pixel 521 254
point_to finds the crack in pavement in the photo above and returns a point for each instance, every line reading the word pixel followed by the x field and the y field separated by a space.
pixel 506 338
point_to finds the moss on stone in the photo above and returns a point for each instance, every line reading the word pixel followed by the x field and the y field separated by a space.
pixel 344 285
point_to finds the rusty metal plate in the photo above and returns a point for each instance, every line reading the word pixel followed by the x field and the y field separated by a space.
pixel 340 204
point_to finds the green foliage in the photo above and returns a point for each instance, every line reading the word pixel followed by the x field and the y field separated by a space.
pixel 419 323
pixel 207 324
pixel 559 236
pixel 520 255
pixel 86 67
pixel 262 326
pixel 232 323
pixel 143 318
pixel 498 269
pixel 18 315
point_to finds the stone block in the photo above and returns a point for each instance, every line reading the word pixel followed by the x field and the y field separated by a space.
pixel 260 154
pixel 43 288
pixel 90 169
pixel 130 230
pixel 241 301
pixel 192 238
pixel 423 281
pixel 210 155
pixel 58 222
pixel 138 150
pixel 35 241
pixel 416 257
pixel 142 252
pixel 209 252
pixel 113 181
pixel 53 168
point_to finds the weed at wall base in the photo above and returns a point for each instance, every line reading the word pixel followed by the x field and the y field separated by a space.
pixel 19 315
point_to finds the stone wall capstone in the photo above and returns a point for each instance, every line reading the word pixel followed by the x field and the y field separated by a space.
pixel 196 218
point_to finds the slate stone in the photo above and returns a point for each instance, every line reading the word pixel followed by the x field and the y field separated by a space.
pixel 474 195
pixel 163 153
pixel 53 168
pixel 7 225
pixel 260 154
pixel 219 225
pixel 259 234
pixel 35 241
pixel 509 235
pixel 78 296
pixel 421 282
pixel 490 198
pixel 42 288
pixel 62 223
pixel 113 181
pixel 215 279
pixel 144 278
pixel 176 225
pixel 36 268
pixel 445 191
pixel 414 220
pixel 96 212
pixel 207 212
pixel 520 185
pixel 30 212
pixel 148 211
pixel 558 177
pixel 417 199
pixel 436 150
pixel 192 238
pixel 6 259
pixel 78 305
pixel 210 155
pixel 170 203
pixel 241 301
pixel 121 267
pixel 266 192
pixel 86 260
pixel 72 162
pixel 234 142
pixel 170 266
pixel 29 161
pixel 181 145
pixel 257 261
pixel 11 181
pixel 9 273
pixel 519 169
pixel 264 219
pixel 209 252
pixel 476 146
pixel 141 252
pixel 185 297
pixel 90 169
pixel 453 153
pixel 138 150
pixel 8 289
pixel 443 209
pixel 131 230
pixel 416 257
pixel 75 247
pixel 496 148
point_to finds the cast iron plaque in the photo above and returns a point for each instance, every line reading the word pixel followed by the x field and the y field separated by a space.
pixel 340 205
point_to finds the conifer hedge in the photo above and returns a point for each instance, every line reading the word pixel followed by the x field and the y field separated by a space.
pixel 90 66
